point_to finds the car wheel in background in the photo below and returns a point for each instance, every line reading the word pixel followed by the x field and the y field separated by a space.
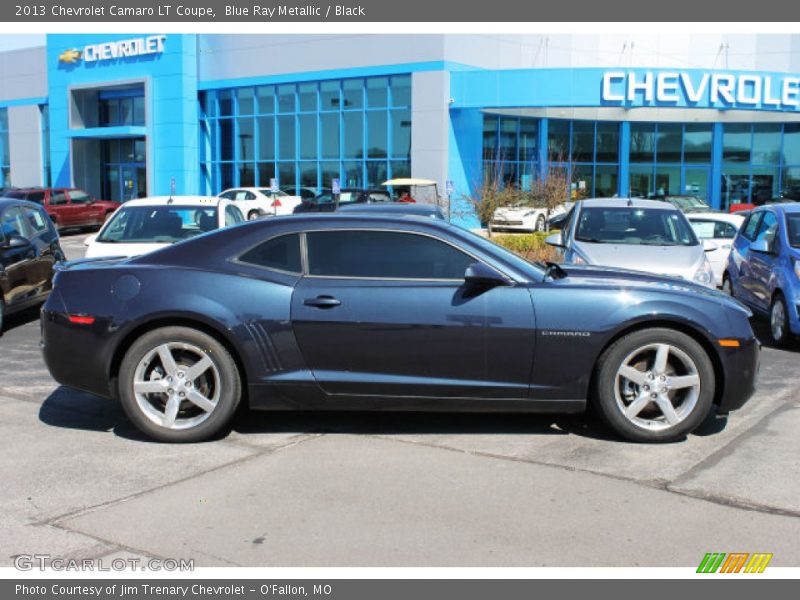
pixel 2 314
pixel 540 223
pixel 654 385
pixel 727 287
pixel 254 214
pixel 178 384
pixel 779 322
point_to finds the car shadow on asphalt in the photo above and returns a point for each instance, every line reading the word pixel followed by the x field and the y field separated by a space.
pixel 23 317
pixel 72 409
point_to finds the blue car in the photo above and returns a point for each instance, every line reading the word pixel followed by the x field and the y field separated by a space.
pixel 389 312
pixel 763 268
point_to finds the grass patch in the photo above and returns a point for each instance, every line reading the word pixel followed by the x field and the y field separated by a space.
pixel 530 246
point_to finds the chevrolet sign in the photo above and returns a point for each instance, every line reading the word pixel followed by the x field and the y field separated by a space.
pixel 153 44
pixel 746 90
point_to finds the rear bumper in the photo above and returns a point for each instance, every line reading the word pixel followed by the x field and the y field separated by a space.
pixel 76 355
pixel 741 372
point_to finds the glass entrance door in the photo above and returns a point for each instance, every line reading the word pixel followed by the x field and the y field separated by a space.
pixel 124 169
pixel 696 182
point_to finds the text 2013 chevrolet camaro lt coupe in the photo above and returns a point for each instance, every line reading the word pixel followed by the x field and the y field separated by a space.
pixel 351 312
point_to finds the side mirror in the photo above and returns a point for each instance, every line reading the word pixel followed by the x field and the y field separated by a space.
pixel 16 241
pixel 554 239
pixel 89 239
pixel 481 274
pixel 709 245
pixel 760 246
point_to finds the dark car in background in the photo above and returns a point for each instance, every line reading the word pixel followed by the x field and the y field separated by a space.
pixel 68 207
pixel 327 203
pixel 355 312
pixel 29 249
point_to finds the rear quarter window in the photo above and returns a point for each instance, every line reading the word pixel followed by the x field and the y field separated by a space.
pixel 281 253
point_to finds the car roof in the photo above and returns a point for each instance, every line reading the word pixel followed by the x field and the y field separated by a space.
pixel 786 207
pixel 716 216
pixel 4 202
pixel 176 201
pixel 623 202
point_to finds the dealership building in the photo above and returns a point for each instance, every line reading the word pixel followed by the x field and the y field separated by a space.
pixel 123 116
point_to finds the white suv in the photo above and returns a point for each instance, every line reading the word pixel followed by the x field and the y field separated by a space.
pixel 259 202
pixel 147 224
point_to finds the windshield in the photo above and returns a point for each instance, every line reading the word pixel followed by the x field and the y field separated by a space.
pixel 687 202
pixel 793 227
pixel 632 225
pixel 158 224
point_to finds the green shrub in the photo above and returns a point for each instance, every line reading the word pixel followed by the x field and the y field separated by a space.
pixel 530 246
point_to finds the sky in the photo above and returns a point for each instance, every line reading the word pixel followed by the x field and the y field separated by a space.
pixel 27 40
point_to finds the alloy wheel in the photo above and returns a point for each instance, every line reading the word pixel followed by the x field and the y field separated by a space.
pixel 657 386
pixel 177 385
pixel 777 320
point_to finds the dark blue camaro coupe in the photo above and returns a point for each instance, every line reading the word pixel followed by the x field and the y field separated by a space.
pixel 352 312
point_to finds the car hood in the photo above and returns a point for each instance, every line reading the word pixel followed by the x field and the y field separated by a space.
pixel 513 212
pixel 611 277
pixel 675 261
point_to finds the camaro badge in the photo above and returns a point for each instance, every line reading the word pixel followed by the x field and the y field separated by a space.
pixel 70 56
pixel 567 333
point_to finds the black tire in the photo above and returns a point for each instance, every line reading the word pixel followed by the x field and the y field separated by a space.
pixel 783 338
pixel 2 315
pixel 230 387
pixel 727 286
pixel 253 215
pixel 540 223
pixel 605 397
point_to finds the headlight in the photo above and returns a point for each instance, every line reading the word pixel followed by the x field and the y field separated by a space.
pixel 705 275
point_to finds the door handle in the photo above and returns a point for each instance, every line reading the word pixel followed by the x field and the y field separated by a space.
pixel 322 302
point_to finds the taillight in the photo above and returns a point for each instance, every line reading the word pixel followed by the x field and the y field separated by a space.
pixel 81 319
pixel 276 203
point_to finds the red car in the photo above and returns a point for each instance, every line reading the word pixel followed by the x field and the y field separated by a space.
pixel 68 207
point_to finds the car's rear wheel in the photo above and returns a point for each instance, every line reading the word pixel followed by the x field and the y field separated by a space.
pixel 779 322
pixel 253 215
pixel 178 384
pixel 654 385
pixel 540 223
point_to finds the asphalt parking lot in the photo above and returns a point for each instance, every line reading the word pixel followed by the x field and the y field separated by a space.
pixel 359 489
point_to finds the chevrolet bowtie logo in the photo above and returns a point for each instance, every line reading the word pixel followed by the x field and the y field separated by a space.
pixel 70 56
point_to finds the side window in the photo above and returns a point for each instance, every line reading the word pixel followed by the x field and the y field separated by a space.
pixel 724 231
pixel 241 195
pixel 12 222
pixel 36 220
pixel 750 227
pixel 79 197
pixel 58 197
pixel 704 229
pixel 227 195
pixel 232 215
pixel 250 196
pixel 383 255
pixel 281 253
pixel 37 197
pixel 768 228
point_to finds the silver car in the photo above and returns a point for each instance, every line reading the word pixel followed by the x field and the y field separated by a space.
pixel 643 235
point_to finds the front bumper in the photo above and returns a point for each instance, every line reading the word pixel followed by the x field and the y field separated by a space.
pixel 740 366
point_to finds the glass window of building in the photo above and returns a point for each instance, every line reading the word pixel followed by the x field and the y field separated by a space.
pixel 607 143
pixel 697 143
pixel 357 130
pixel 643 143
pixel 736 142
pixel 5 160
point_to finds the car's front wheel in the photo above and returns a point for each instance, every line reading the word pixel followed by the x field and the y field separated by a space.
pixel 253 215
pixel 654 385
pixel 540 223
pixel 179 384
pixel 779 322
